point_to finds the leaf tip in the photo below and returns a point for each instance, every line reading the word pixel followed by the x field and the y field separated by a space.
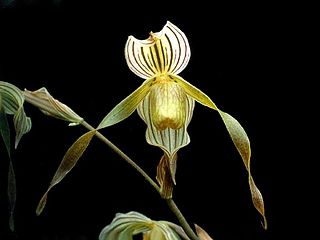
pixel 42 204
pixel 264 223
pixel 11 222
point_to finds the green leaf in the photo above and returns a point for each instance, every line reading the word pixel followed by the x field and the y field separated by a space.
pixel 68 162
pixel 50 106
pixel 12 194
pixel 12 102
pixel 4 128
pixel 127 106
pixel 12 98
pixel 22 124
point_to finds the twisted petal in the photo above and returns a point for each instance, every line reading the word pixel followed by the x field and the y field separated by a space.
pixel 163 52
pixel 166 172
pixel 169 140
pixel 238 136
pixel 68 162
pixel 127 106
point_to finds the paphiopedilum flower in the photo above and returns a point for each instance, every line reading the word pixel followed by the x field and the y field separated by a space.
pixel 165 101
pixel 126 225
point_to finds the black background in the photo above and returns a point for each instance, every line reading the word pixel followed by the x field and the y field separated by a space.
pixel 243 56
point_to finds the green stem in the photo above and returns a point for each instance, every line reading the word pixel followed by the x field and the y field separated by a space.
pixel 123 155
pixel 183 222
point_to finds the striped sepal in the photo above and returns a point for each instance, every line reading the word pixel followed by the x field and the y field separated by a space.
pixel 169 140
pixel 166 51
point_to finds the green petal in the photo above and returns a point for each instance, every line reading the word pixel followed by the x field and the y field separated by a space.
pixel 242 143
pixel 127 106
pixel 68 162
pixel 194 92
pixel 238 136
pixel 169 140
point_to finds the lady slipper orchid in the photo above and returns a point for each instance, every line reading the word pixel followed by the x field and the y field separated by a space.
pixel 125 226
pixel 165 101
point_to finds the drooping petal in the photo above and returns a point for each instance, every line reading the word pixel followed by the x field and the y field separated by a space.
pixel 242 143
pixel 163 52
pixel 69 160
pixel 169 140
pixel 127 106
pixel 238 136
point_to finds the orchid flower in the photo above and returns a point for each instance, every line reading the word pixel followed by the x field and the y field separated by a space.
pixel 125 225
pixel 165 101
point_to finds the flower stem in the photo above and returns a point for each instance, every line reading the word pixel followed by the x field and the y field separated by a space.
pixel 123 155
pixel 184 224
pixel 173 207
